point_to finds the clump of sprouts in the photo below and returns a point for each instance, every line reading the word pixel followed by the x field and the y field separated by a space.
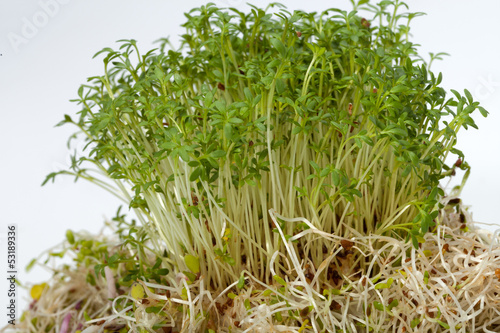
pixel 285 169
pixel 449 284
pixel 327 116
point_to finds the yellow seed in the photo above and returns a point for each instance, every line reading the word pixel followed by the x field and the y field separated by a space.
pixel 137 291
pixel 37 290
pixel 192 263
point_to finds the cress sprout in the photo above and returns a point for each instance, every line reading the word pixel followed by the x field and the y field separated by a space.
pixel 326 116
pixel 284 169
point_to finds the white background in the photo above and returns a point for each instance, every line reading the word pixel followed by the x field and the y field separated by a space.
pixel 41 69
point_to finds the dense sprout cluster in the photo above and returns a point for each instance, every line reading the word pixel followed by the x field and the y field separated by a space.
pixel 327 116
pixel 284 168
pixel 449 284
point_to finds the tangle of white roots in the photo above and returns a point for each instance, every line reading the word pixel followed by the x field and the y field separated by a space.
pixel 451 283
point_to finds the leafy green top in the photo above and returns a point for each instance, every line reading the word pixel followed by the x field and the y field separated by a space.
pixel 329 116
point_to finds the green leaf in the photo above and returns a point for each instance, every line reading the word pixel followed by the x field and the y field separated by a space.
pixel 191 277
pixel 279 46
pixel 235 121
pixel 248 94
pixel 484 113
pixel 399 88
pixel 70 237
pixel 457 95
pixel 296 130
pixel 159 74
pixel 218 154
pixel 335 178
pixel 314 165
pixel 324 172
pixel 30 265
pixel 241 282
pixel 183 154
pixel 385 285
pixel 279 280
pixel 228 131
pixel 358 143
pixel 168 145
pixel 280 86
pixel 192 263
pixel 469 96
pixel 393 304
pixel 195 174
pixel 229 260
pixel 414 322
pixel 247 304
pixel 208 99
pixel 379 306
pixel 442 323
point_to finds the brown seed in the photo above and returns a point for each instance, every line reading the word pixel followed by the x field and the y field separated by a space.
pixel 304 312
pixel 346 244
pixel 195 199
pixel 236 323
pixel 463 226
pixel 462 217
pixel 458 162
pixel 365 23
pixel 497 272
pixel 334 306
pixel 363 281
pixel 221 86
pixel 446 247
pixel 454 201
pixel 299 34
